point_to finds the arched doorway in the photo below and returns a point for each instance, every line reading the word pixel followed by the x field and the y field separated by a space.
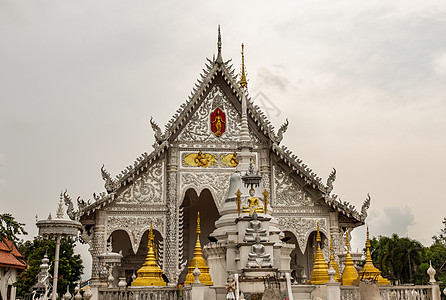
pixel 310 251
pixel 121 242
pixel 192 204
pixel 131 261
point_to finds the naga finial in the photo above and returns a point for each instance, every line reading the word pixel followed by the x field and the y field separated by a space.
pixel 243 81
pixel 365 206
pixel 110 184
pixel 281 131
pixel 157 131
pixel 331 178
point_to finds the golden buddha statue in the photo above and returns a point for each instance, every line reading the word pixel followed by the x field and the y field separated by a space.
pixel 253 204
pixel 218 121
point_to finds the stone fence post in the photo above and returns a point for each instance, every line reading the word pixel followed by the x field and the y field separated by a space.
pixel 333 290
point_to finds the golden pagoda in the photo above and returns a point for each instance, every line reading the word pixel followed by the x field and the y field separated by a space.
pixel 319 275
pixel 332 261
pixel 149 274
pixel 199 261
pixel 349 274
pixel 369 270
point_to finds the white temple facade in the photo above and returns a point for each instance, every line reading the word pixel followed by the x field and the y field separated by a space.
pixel 196 166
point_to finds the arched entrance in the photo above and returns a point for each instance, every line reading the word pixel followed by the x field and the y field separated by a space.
pixel 310 251
pixel 130 262
pixel 192 204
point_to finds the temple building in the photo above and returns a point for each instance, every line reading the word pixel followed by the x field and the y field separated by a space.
pixel 220 156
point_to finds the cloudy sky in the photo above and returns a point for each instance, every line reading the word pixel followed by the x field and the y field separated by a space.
pixel 362 84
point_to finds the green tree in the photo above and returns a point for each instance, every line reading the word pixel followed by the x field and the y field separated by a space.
pixel 397 257
pixel 70 265
pixel 10 228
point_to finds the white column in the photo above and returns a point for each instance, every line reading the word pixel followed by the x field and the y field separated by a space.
pixel 288 286
pixel 436 294
pixel 333 290
pixel 56 267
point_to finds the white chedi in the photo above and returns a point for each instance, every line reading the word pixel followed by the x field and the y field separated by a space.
pixel 431 272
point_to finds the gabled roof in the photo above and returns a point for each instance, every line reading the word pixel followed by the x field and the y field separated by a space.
pixel 10 257
pixel 214 68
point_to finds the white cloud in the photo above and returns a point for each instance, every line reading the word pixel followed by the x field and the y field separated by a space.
pixel 439 63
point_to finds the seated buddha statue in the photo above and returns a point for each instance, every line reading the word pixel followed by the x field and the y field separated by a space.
pixel 258 257
pixel 254 229
pixel 253 204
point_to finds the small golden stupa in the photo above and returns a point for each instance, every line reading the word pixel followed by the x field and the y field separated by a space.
pixel 349 274
pixel 369 270
pixel 199 261
pixel 149 274
pixel 319 275
pixel 332 261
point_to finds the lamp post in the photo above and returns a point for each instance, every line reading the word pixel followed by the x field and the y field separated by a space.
pixel 56 228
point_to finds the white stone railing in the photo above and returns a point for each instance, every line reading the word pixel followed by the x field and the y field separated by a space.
pixel 143 293
pixel 411 292
pixel 350 292
pixel 395 292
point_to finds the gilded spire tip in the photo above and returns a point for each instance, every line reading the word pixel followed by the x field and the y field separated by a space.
pixel 318 235
pixel 198 224
pixel 243 81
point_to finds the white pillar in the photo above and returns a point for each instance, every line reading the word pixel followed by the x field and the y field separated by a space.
pixel 288 286
pixel 56 267
pixel 333 290
pixel 237 287
pixel 436 294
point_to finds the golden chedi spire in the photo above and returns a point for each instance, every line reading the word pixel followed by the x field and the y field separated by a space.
pixel 198 260
pixel 149 274
pixel 349 274
pixel 319 274
pixel 332 261
pixel 243 81
pixel 369 270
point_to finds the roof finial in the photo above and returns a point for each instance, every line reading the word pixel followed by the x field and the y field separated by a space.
pixel 219 59
pixel 243 82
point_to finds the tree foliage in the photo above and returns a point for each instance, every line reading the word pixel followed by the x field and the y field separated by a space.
pixel 397 257
pixel 70 265
pixel 10 228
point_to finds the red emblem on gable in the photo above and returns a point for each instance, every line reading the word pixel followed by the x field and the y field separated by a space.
pixel 218 122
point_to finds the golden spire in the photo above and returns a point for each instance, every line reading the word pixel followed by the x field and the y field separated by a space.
pixel 198 231
pixel 369 270
pixel 319 274
pixel 349 274
pixel 149 274
pixel 198 260
pixel 332 261
pixel 243 81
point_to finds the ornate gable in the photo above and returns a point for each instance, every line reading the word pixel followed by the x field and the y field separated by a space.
pixel 202 124
pixel 288 192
